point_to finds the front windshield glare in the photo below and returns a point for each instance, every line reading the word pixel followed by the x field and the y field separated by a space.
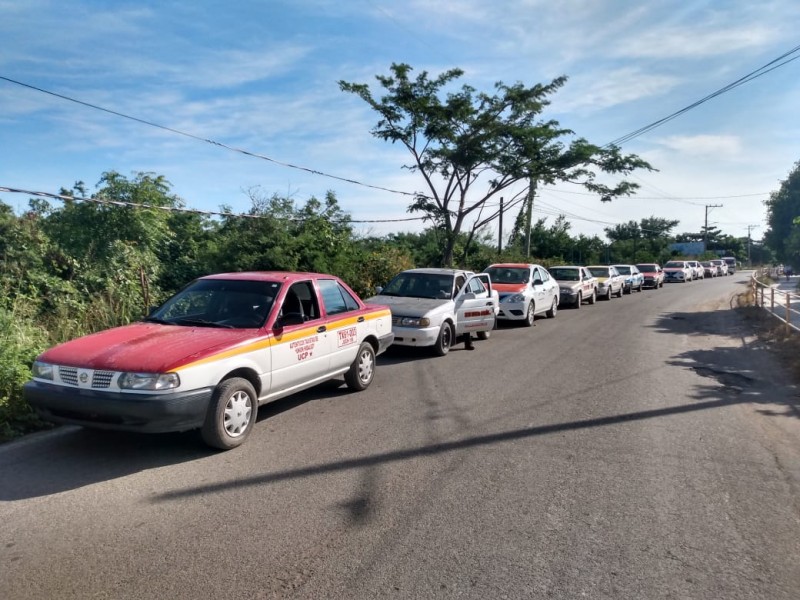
pixel 508 275
pixel 420 285
pixel 226 303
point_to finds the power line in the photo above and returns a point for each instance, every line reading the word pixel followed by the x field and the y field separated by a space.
pixel 206 140
pixel 763 70
pixel 176 209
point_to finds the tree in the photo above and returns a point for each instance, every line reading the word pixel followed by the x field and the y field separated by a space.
pixel 783 208
pixel 470 146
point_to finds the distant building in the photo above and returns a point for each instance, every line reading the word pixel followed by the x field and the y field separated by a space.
pixel 688 248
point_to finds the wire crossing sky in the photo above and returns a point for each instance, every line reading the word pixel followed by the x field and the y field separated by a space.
pixel 263 77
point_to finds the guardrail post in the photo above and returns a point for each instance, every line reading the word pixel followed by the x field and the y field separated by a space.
pixel 788 312
pixel 772 301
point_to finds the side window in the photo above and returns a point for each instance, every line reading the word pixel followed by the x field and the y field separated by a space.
pixel 459 283
pixel 476 286
pixel 545 275
pixel 301 299
pixel 537 276
pixel 335 298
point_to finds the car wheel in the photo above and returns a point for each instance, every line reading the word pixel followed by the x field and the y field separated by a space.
pixel 621 291
pixel 579 300
pixel 551 314
pixel 530 315
pixel 362 371
pixel 445 340
pixel 593 297
pixel 231 414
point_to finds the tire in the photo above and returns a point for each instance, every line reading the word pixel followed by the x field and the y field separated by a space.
pixel 621 291
pixel 579 300
pixel 629 290
pixel 593 297
pixel 362 371
pixel 231 414
pixel 551 314
pixel 530 315
pixel 445 339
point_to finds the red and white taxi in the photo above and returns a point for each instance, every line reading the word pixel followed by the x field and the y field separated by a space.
pixel 211 354
pixel 526 290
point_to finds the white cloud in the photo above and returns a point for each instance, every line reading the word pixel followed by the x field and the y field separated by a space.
pixel 716 146
pixel 695 42
pixel 602 90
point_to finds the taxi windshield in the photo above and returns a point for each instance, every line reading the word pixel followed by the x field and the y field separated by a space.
pixel 565 274
pixel 234 304
pixel 420 285
pixel 508 274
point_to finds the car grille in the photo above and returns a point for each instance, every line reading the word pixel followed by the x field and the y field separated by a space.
pixel 68 375
pixel 100 379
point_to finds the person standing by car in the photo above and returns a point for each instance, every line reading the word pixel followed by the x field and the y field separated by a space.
pixel 787 270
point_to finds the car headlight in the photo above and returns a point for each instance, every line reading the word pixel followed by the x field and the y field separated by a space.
pixel 149 381
pixel 603 284
pixel 415 321
pixel 42 370
pixel 568 290
pixel 514 298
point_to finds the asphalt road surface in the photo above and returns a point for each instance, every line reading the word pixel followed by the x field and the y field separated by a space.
pixel 645 447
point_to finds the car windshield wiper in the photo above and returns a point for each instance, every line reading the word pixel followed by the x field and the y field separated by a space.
pixel 201 323
pixel 157 320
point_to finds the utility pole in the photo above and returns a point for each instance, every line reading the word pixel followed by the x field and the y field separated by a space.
pixel 531 194
pixel 500 233
pixel 749 228
pixel 705 229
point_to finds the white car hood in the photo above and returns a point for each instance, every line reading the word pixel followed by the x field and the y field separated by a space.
pixel 413 307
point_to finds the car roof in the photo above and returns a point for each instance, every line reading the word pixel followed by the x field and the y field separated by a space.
pixel 438 271
pixel 512 265
pixel 282 276
pixel 567 267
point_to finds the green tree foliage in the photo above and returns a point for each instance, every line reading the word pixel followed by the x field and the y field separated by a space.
pixel 470 146
pixel 783 209
pixel 645 241
pixel 20 341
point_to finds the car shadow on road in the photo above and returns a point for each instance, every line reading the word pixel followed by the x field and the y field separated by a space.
pixel 738 374
pixel 71 457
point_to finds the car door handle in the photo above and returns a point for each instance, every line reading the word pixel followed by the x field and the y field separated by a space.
pixel 360 319
pixel 322 329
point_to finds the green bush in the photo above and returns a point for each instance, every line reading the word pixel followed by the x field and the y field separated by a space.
pixel 20 342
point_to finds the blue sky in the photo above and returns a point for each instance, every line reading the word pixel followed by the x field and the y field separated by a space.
pixel 262 76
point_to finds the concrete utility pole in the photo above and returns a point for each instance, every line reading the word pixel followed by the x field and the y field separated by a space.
pixel 749 228
pixel 500 227
pixel 531 195
pixel 705 229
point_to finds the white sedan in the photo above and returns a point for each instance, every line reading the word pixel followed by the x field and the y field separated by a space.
pixel 526 290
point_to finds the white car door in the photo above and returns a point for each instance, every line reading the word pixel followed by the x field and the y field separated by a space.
pixel 301 349
pixel 474 306
pixel 541 295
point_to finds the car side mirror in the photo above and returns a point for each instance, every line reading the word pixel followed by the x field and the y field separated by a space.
pixel 469 296
pixel 379 289
pixel 537 281
pixel 291 319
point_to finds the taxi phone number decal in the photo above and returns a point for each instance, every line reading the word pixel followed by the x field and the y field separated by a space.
pixel 304 348
pixel 347 336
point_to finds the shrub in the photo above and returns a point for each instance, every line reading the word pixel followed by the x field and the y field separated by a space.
pixel 20 342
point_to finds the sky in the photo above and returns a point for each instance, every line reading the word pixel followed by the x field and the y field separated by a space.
pixel 262 76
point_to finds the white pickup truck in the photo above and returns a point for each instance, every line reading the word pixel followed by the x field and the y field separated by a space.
pixel 436 307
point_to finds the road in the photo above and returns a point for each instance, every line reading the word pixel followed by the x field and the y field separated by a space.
pixel 645 447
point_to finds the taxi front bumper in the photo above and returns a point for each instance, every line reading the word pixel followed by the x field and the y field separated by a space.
pixel 147 413
pixel 415 336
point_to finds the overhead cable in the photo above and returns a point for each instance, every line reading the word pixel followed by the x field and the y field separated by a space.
pixel 763 70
